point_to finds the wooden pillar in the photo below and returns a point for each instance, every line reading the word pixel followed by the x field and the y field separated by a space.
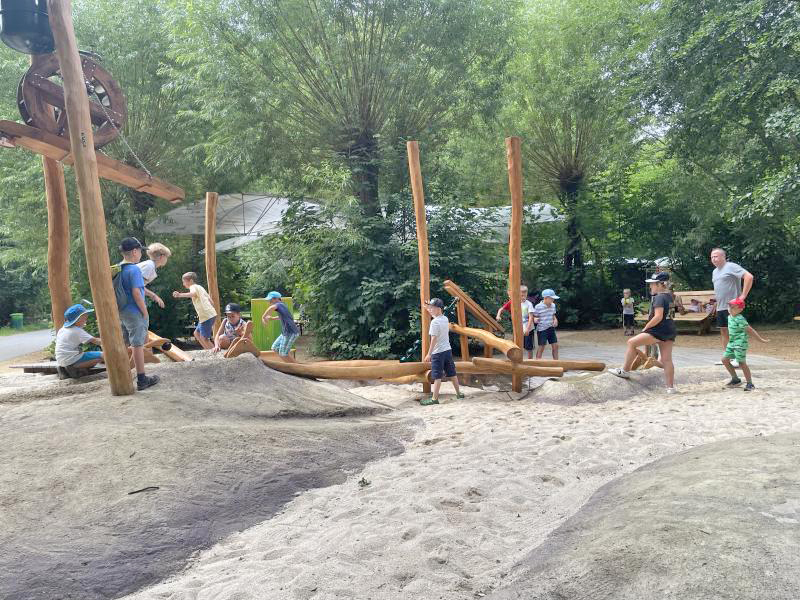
pixel 461 311
pixel 418 193
pixel 514 157
pixel 211 253
pixel 93 219
pixel 57 239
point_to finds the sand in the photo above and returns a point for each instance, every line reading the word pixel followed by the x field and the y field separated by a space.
pixel 485 481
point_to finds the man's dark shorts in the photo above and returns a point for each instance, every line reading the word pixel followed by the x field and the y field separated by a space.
pixel 722 318
pixel 548 336
pixel 529 340
pixel 442 365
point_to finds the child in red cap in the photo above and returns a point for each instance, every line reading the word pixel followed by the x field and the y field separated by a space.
pixel 738 328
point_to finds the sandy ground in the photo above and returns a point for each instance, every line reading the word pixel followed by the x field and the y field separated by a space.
pixel 483 483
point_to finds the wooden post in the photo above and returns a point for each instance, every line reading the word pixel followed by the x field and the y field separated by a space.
pixel 93 219
pixel 461 311
pixel 211 254
pixel 422 244
pixel 57 240
pixel 514 157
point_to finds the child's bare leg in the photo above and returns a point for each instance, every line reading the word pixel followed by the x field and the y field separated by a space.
pixel 436 385
pixel 138 359
pixel 539 351
pixel 746 370
pixel 225 343
pixel 454 381
pixel 554 350
pixel 204 341
pixel 288 358
pixel 666 362
pixel 729 367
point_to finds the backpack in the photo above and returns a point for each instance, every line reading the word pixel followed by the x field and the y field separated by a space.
pixel 116 281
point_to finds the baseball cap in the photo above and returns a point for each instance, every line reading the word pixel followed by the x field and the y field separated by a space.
pixel 73 313
pixel 129 243
pixel 233 307
pixel 548 293
pixel 435 302
pixel 736 302
pixel 273 295
pixel 658 278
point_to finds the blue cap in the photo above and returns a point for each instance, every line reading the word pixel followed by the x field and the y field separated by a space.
pixel 273 295
pixel 73 313
pixel 548 293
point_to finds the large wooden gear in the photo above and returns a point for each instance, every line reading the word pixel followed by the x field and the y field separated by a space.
pixel 40 98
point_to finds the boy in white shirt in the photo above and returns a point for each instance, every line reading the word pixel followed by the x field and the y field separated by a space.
pixel 528 326
pixel 440 354
pixel 158 255
pixel 206 313
pixel 70 337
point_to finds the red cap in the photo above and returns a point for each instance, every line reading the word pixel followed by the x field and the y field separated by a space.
pixel 739 303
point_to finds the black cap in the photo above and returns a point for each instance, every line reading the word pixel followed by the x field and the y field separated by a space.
pixel 233 307
pixel 435 302
pixel 658 278
pixel 129 243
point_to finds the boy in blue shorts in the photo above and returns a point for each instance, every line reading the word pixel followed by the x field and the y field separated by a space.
pixel 544 315
pixel 70 337
pixel 440 354
pixel 289 332
pixel 203 306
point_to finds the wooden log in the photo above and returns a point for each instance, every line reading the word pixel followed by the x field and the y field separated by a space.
pixel 406 379
pixel 211 254
pixel 488 351
pixel 461 312
pixel 476 309
pixel 57 240
pixel 272 355
pixel 507 347
pixel 154 340
pixel 58 148
pixel 503 366
pixel 242 346
pixel 348 372
pixel 567 365
pixel 175 354
pixel 149 357
pixel 91 204
pixel 418 193
pixel 514 158
pixel 356 363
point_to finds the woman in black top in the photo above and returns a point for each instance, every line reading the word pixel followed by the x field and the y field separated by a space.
pixel 660 329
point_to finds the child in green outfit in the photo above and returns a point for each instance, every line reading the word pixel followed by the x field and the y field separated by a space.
pixel 738 328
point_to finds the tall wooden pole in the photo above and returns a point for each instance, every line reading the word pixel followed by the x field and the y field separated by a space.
pixel 514 156
pixel 211 253
pixel 461 311
pixel 418 193
pixel 57 239
pixel 93 219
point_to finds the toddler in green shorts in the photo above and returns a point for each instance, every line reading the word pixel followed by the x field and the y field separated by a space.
pixel 738 328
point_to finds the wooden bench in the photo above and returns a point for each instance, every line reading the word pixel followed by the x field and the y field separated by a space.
pixel 51 368
pixel 702 320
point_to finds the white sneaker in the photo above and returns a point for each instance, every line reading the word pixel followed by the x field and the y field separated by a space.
pixel 672 390
pixel 620 373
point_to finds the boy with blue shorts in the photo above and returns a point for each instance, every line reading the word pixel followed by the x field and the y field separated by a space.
pixel 440 354
pixel 289 331
pixel 133 315
pixel 206 313
pixel 546 322
pixel 70 337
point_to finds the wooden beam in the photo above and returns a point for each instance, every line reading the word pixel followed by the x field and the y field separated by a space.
pixel 418 192
pixel 472 306
pixel 57 240
pixel 514 157
pixel 514 369
pixel 507 347
pixel 567 365
pixel 330 371
pixel 58 148
pixel 462 322
pixel 93 220
pixel 211 254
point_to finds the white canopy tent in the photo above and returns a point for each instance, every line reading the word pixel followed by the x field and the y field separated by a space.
pixel 248 217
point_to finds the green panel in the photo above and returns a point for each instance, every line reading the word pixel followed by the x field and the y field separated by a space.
pixel 17 320
pixel 265 335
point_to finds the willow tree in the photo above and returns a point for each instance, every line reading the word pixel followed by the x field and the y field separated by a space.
pixel 344 76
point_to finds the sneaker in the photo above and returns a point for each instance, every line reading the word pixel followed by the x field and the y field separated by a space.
pixel 672 390
pixel 460 395
pixel 749 387
pixel 428 401
pixel 733 382
pixel 146 382
pixel 620 373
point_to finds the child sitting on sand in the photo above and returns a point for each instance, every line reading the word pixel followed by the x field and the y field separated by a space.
pixel 440 354
pixel 206 314
pixel 232 328
pixel 738 328
pixel 71 336
pixel 158 255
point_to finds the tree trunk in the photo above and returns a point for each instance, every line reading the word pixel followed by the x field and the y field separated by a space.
pixel 362 158
pixel 573 254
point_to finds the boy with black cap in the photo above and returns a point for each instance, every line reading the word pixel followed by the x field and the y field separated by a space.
pixel 440 354
pixel 133 315
pixel 233 328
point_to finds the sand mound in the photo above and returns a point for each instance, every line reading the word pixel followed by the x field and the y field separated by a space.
pixel 719 521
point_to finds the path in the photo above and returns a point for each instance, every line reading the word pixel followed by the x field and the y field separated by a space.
pixel 20 344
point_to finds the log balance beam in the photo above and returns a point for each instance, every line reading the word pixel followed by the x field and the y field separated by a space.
pixel 507 347
pixel 380 371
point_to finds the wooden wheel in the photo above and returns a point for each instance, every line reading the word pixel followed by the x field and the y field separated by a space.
pixel 40 98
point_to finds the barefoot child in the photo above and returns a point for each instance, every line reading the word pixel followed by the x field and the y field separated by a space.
pixel 232 328
pixel 440 354
pixel 546 322
pixel 71 336
pixel 158 255
pixel 206 314
pixel 289 331
pixel 628 309
pixel 738 328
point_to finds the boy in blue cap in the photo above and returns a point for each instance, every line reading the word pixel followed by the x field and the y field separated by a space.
pixel 544 315
pixel 70 337
pixel 289 331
